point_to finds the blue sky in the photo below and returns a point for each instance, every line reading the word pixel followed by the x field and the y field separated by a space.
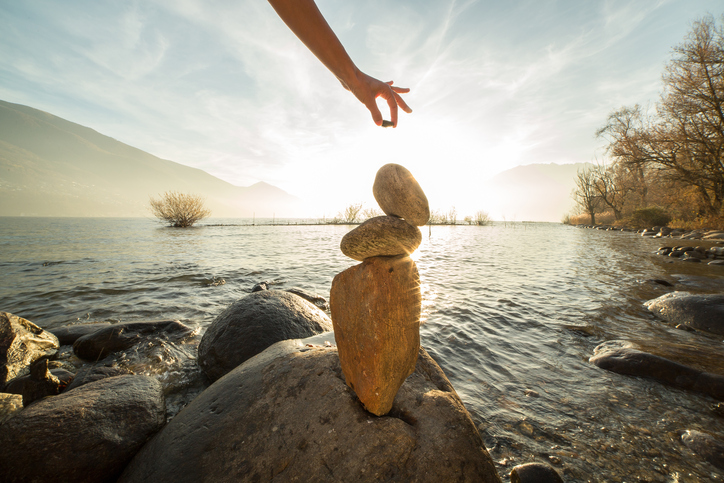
pixel 224 86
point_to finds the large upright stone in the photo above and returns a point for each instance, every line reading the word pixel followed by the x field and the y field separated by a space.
pixel 21 343
pixel 381 236
pixel 399 194
pixel 376 316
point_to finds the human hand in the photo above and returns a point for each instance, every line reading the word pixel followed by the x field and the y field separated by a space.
pixel 367 89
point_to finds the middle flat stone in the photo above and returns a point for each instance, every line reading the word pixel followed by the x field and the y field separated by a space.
pixel 381 236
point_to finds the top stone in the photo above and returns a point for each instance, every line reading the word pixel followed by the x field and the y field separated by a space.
pixel 398 194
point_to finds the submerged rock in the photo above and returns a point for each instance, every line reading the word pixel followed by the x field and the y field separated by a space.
pixel 399 194
pixel 381 236
pixel 119 337
pixel 376 315
pixel 702 312
pixel 21 343
pixel 94 372
pixel 534 473
pixel 86 435
pixel 252 324
pixel 632 362
pixel 287 415
pixel 706 446
pixel 316 299
pixel 68 334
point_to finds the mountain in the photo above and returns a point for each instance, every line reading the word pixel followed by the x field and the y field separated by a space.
pixel 53 167
pixel 532 192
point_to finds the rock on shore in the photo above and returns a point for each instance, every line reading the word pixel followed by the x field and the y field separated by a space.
pixel 85 435
pixel 287 415
pixel 21 343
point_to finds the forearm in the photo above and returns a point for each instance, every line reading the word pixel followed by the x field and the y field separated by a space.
pixel 306 21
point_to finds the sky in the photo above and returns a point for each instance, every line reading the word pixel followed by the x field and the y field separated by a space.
pixel 224 86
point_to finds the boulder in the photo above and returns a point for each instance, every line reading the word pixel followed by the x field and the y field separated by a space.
pixel 95 372
pixel 381 236
pixel 252 324
pixel 706 446
pixel 399 194
pixel 119 337
pixel 534 473
pixel 632 362
pixel 21 343
pixel 702 312
pixel 9 404
pixel 68 334
pixel 287 415
pixel 86 435
pixel 376 315
pixel 40 383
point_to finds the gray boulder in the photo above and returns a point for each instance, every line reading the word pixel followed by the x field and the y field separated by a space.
pixel 118 337
pixel 86 435
pixel 252 324
pixel 287 415
pixel 21 343
pixel 701 312
pixel 68 334
pixel 632 362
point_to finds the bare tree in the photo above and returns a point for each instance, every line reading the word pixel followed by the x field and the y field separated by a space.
pixel 371 213
pixel 612 183
pixel 452 216
pixel 585 194
pixel 179 209
pixel 684 139
pixel 351 213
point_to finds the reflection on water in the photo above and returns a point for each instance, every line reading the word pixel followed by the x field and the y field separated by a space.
pixel 512 313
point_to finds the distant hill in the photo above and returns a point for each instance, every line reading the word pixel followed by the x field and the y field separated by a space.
pixel 533 192
pixel 53 167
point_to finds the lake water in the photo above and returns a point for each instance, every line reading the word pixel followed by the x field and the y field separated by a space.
pixel 512 312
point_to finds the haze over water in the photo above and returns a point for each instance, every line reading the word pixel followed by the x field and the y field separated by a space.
pixel 511 312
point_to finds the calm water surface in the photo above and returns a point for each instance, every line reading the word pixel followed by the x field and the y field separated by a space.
pixel 512 312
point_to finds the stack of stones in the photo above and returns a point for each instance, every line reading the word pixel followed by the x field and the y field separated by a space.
pixel 376 305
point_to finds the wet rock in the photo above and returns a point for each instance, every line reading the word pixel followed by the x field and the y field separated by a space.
pixel 632 362
pixel 716 262
pixel 40 383
pixel 376 316
pixel 260 286
pixel 86 435
pixel 119 337
pixel 718 409
pixel 21 343
pixel 95 372
pixel 687 258
pixel 702 312
pixel 287 415
pixel 68 334
pixel 9 405
pixel 252 324
pixel 399 194
pixel 381 236
pixel 319 301
pixel 534 473
pixel 705 446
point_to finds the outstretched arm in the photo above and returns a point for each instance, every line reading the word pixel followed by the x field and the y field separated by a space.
pixel 306 21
